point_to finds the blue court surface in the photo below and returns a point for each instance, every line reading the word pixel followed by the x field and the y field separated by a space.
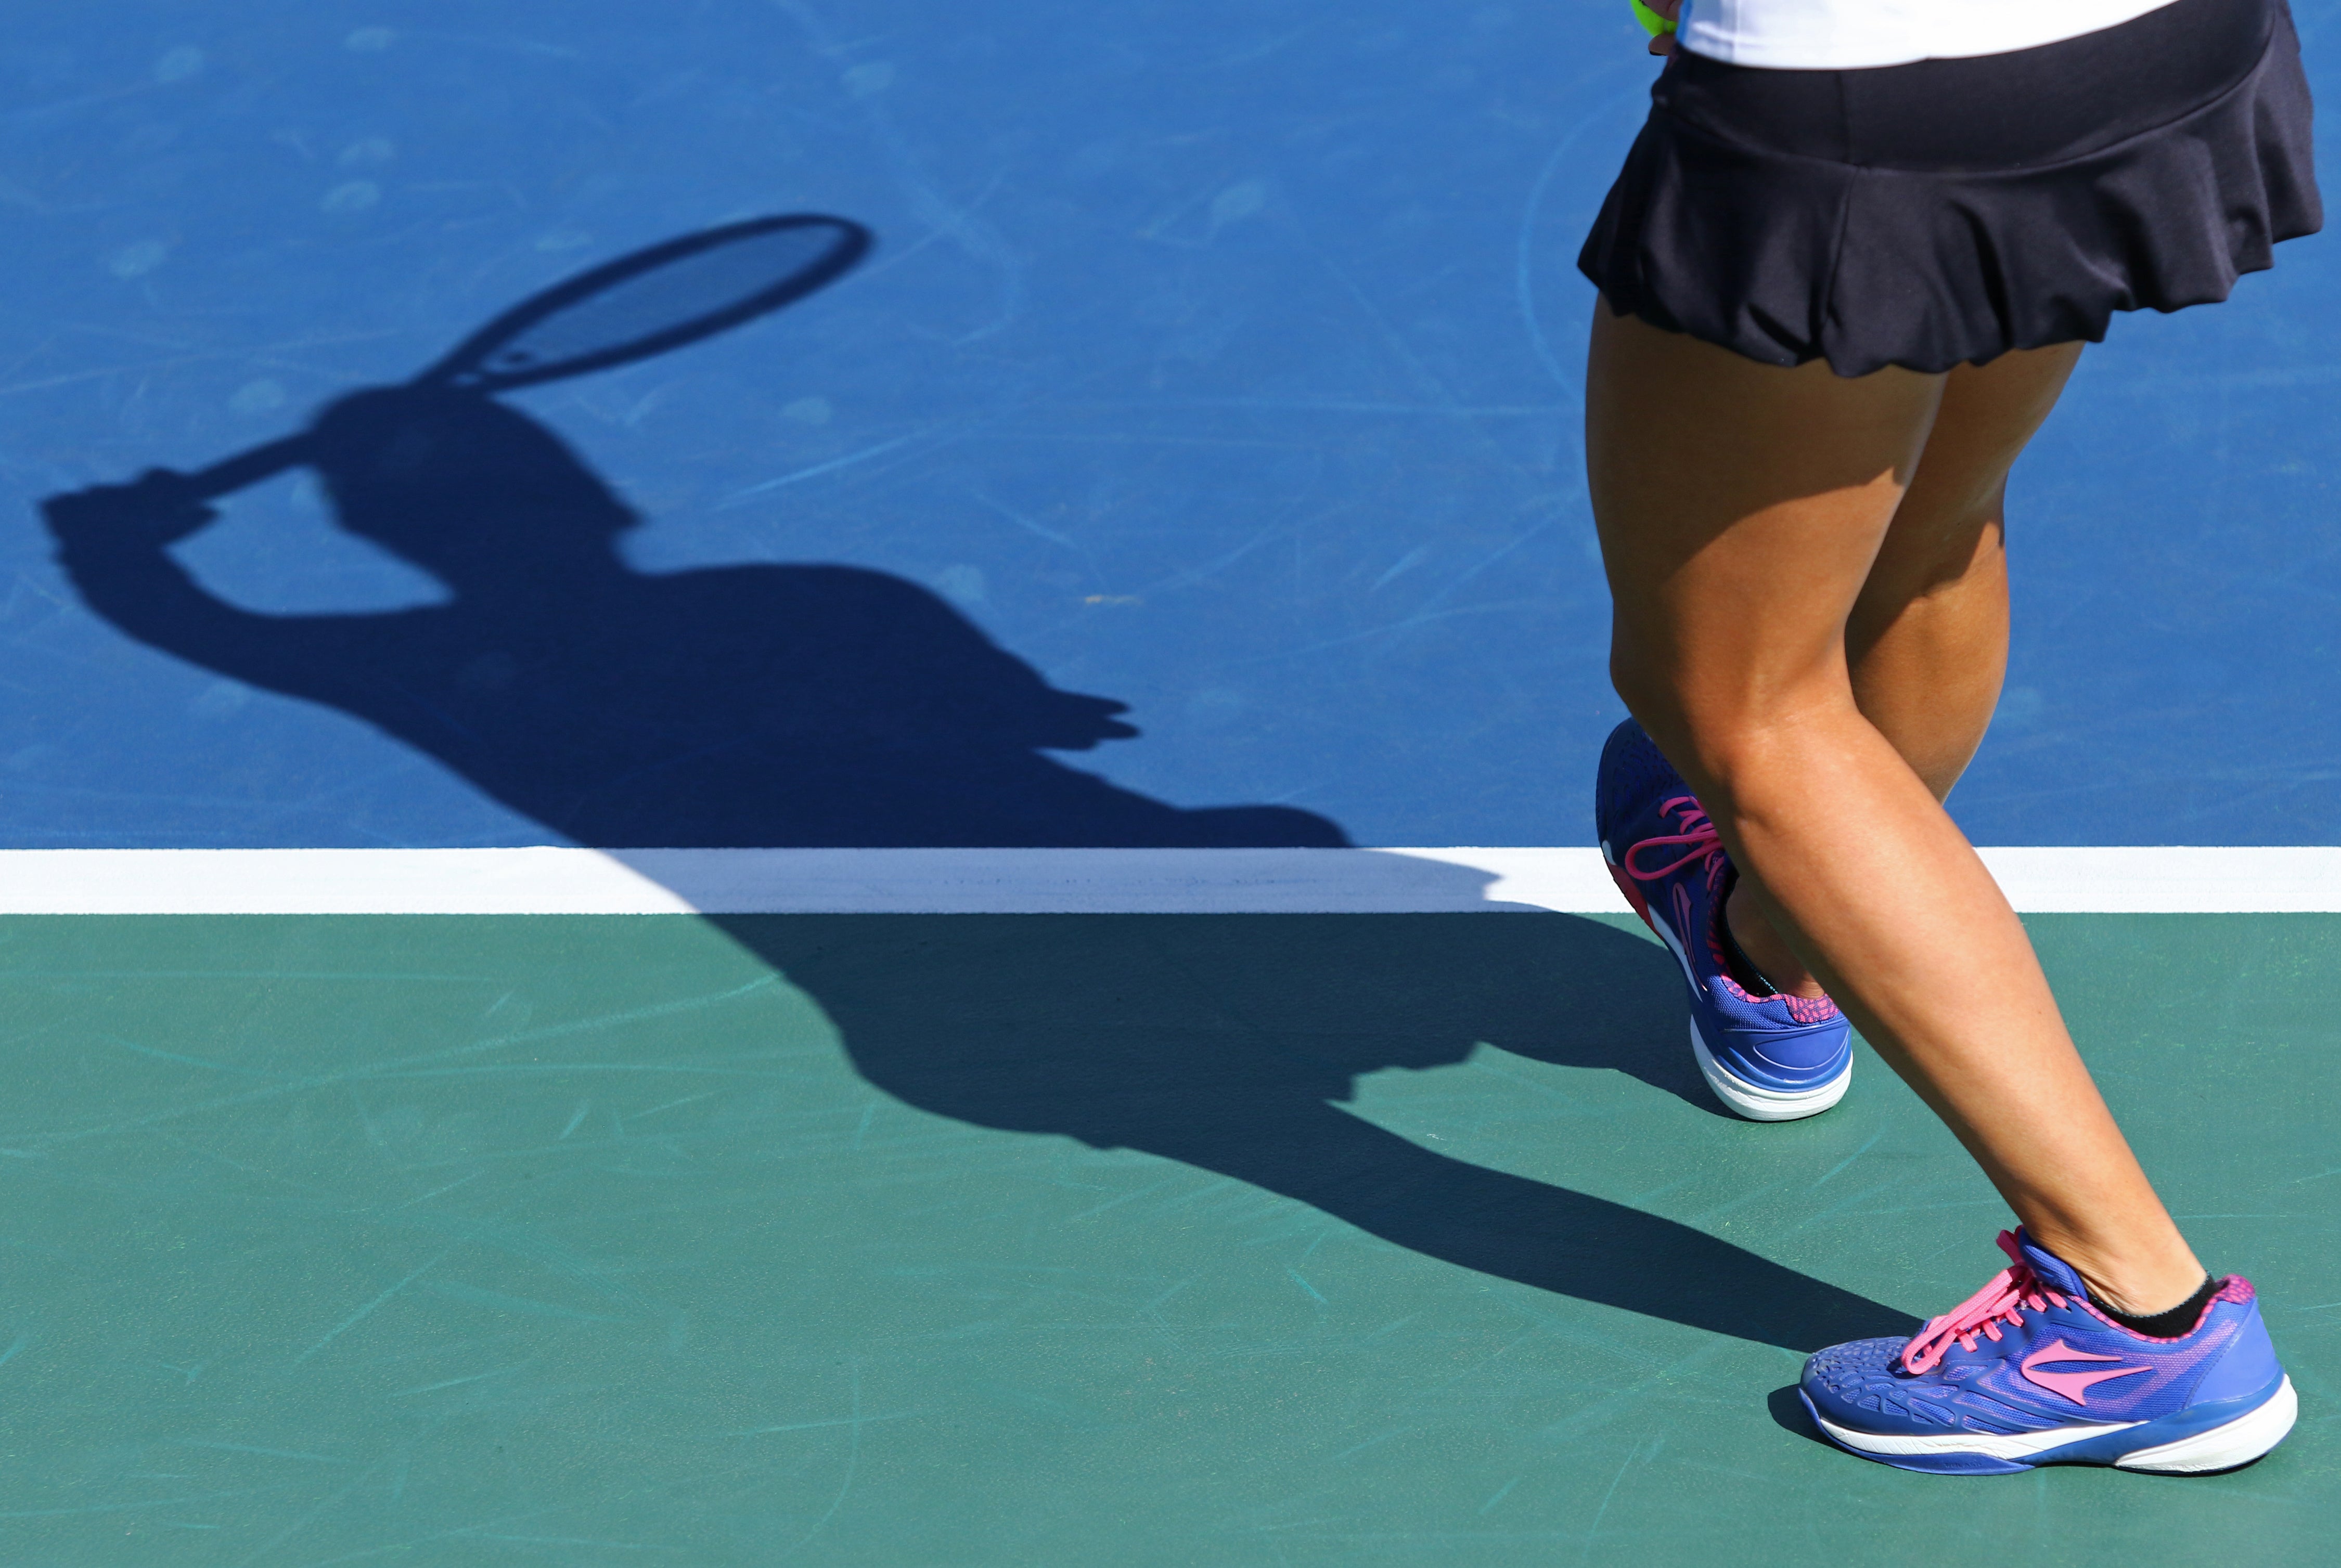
pixel 1190 464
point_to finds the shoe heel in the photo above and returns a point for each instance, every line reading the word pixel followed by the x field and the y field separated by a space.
pixel 1762 1104
pixel 2239 1442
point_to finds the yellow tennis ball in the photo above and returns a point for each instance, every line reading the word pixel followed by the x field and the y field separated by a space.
pixel 1652 23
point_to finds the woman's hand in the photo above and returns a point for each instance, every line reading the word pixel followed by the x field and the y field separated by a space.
pixel 159 509
pixel 1664 43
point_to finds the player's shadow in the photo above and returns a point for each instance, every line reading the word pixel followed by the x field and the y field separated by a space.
pixel 769 705
pixel 1227 1042
pixel 829 705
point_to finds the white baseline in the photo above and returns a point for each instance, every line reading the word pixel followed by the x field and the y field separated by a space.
pixel 569 881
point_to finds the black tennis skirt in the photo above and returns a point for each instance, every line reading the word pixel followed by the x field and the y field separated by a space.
pixel 1941 212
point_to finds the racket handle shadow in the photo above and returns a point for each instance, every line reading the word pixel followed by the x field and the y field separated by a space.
pixel 249 467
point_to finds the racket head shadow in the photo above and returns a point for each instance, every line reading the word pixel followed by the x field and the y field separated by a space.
pixel 655 300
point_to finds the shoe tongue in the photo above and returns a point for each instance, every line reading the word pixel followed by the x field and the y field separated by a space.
pixel 2055 1271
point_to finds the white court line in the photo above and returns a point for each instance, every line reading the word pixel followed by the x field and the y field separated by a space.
pixel 560 881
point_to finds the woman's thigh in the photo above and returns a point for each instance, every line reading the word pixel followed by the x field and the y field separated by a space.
pixel 1986 415
pixel 1741 509
pixel 1927 638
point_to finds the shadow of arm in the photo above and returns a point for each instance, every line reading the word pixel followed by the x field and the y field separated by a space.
pixel 112 541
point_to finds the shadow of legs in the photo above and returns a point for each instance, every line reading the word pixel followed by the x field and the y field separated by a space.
pixel 1517 1229
pixel 1218 1041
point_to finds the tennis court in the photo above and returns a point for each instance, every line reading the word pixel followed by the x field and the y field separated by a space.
pixel 1016 1239
pixel 1037 1159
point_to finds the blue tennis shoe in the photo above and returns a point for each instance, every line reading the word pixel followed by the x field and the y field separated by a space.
pixel 1770 1057
pixel 2028 1372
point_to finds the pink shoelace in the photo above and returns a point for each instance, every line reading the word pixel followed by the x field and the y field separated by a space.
pixel 1698 840
pixel 2011 1291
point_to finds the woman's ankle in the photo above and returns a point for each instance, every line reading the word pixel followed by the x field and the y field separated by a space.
pixel 2140 1280
pixel 1773 959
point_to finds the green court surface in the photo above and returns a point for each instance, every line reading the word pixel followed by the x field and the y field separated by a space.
pixel 1041 1240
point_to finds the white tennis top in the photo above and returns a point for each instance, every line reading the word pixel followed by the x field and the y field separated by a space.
pixel 1852 34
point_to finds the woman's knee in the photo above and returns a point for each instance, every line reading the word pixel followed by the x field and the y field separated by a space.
pixel 1721 735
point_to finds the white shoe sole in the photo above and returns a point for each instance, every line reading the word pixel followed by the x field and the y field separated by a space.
pixel 2239 1442
pixel 1763 1104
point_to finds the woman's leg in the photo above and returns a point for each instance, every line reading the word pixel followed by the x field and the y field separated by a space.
pixel 1742 510
pixel 1927 639
pixel 1927 644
